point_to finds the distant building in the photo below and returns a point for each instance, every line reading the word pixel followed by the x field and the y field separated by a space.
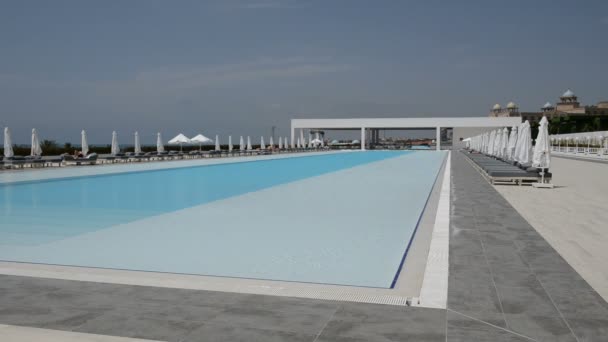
pixel 568 105
pixel 511 110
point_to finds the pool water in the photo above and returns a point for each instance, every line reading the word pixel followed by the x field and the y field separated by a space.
pixel 230 219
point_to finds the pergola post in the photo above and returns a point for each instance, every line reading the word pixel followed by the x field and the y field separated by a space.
pixel 362 138
pixel 438 139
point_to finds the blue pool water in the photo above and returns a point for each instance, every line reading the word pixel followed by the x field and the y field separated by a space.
pixel 64 207
pixel 235 219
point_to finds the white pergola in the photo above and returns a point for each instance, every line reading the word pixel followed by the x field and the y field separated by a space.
pixel 403 123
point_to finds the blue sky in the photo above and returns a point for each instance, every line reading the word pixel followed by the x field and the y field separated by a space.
pixel 240 67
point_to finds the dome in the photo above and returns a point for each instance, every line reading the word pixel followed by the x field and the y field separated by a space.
pixel 568 93
pixel 511 105
pixel 496 107
pixel 547 105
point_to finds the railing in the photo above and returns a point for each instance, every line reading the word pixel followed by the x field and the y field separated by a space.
pixel 581 151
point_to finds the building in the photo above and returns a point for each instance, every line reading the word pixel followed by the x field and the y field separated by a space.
pixel 510 111
pixel 568 105
pixel 457 128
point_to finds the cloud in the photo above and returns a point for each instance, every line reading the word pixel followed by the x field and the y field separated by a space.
pixel 178 78
pixel 230 74
pixel 175 86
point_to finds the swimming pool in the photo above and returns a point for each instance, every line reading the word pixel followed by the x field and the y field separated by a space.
pixel 343 218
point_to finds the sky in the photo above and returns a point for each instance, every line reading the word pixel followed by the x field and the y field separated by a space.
pixel 240 67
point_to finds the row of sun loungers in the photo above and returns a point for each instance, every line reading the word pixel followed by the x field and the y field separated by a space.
pixel 93 158
pixel 498 171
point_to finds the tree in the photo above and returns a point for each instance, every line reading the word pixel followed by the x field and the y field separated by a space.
pixel 49 145
pixel 597 124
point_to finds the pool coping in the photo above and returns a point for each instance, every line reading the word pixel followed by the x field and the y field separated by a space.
pixel 431 288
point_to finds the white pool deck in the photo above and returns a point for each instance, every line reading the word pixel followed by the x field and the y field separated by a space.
pixel 433 291
pixel 13 333
pixel 572 217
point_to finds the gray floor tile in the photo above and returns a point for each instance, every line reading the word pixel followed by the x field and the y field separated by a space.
pixel 464 329
pixel 465 242
pixel 578 303
pixel 529 311
pixel 46 317
pixel 513 275
pixel 589 329
pixel 301 320
pixel 127 325
pixel 476 298
pixel 235 333
pixel 385 323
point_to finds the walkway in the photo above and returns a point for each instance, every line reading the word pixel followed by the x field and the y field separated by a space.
pixel 572 217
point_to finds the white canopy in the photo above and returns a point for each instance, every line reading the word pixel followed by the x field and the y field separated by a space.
pixel 280 143
pixel 486 142
pixel 180 139
pixel 271 143
pixel 541 157
pixel 302 141
pixel 230 143
pixel 520 131
pixel 511 143
pixel 137 148
pixel 526 145
pixel 504 143
pixel 491 143
pixel 201 139
pixel 262 145
pixel 160 147
pixel 497 141
pixel 316 142
pixel 217 143
pixel 249 148
pixel 241 144
pixel 84 145
pixel 115 148
pixel 498 147
pixel 8 144
pixel 35 149
pixel 309 140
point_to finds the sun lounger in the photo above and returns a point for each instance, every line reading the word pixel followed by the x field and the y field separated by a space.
pixel 498 171
pixel 14 162
pixel 90 159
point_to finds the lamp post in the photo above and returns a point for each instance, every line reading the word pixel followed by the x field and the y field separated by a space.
pixel 576 141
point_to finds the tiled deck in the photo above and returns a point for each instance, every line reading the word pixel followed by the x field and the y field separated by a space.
pixel 506 284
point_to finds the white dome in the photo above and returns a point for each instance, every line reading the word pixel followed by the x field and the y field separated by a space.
pixel 496 107
pixel 568 93
pixel 511 105
pixel 547 105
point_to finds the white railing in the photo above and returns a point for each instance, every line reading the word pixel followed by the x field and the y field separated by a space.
pixel 581 151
